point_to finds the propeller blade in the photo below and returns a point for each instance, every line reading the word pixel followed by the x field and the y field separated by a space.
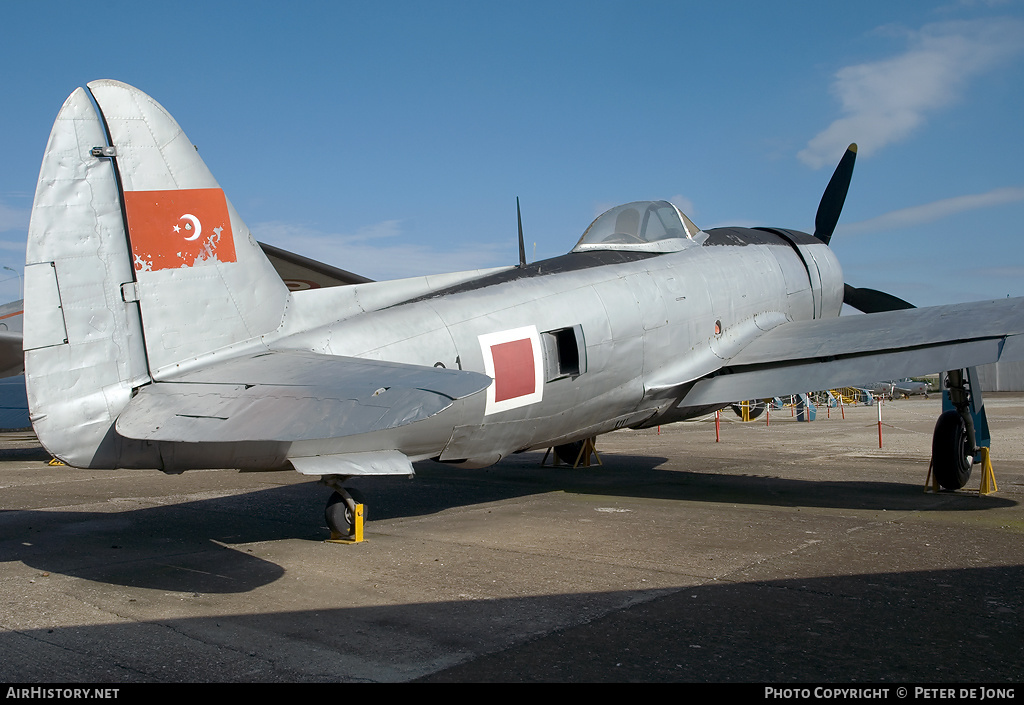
pixel 835 196
pixel 872 300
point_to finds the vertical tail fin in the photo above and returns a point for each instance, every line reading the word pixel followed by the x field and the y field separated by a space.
pixel 203 281
pixel 136 265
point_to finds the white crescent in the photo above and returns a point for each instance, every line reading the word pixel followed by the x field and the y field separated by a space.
pixel 195 224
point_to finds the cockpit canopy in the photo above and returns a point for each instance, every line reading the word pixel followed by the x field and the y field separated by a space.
pixel 644 226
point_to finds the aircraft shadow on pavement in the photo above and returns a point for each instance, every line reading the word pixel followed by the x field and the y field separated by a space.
pixel 860 628
pixel 188 546
pixel 33 452
pixel 641 476
pixel 959 625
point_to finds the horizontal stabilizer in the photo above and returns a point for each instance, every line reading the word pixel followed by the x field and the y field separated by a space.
pixel 292 396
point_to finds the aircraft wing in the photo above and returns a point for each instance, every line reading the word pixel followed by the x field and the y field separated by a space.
pixel 292 396
pixel 300 273
pixel 807 356
pixel 12 357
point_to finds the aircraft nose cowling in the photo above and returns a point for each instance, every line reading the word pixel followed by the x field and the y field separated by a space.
pixel 824 273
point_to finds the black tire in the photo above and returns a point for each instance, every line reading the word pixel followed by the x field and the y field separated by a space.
pixel 756 409
pixel 338 515
pixel 569 452
pixel 951 458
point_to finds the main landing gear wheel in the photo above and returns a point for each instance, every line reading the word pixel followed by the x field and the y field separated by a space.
pixel 756 408
pixel 952 459
pixel 340 513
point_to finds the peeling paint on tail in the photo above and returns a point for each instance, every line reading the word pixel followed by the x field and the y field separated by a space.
pixel 178 228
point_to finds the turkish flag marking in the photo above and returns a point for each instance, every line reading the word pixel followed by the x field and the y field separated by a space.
pixel 178 228
pixel 514 374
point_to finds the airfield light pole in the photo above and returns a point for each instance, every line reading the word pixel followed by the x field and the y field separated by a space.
pixel 21 288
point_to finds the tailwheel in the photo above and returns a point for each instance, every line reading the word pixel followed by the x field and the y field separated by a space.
pixel 340 513
pixel 952 456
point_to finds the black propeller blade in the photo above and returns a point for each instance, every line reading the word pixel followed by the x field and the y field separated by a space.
pixel 835 195
pixel 864 300
pixel 872 300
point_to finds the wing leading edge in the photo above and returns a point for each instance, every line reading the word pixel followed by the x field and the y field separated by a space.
pixel 822 354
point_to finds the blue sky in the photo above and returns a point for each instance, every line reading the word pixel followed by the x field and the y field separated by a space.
pixel 392 138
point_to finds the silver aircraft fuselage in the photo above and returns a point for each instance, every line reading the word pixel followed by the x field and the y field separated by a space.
pixel 635 318
pixel 158 333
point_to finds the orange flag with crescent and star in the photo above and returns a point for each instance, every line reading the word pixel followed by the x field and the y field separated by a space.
pixel 178 228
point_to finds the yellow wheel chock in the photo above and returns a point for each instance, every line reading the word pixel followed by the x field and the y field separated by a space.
pixel 988 476
pixel 357 529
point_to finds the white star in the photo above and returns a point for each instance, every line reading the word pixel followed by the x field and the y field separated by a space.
pixel 177 229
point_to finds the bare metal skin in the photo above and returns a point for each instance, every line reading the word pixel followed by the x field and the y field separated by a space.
pixel 158 334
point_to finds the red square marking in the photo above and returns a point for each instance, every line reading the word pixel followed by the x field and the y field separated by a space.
pixel 514 373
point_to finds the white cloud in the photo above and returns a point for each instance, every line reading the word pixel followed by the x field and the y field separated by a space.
pixel 885 101
pixel 1016 273
pixel 929 212
pixel 279 231
pixel 684 204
